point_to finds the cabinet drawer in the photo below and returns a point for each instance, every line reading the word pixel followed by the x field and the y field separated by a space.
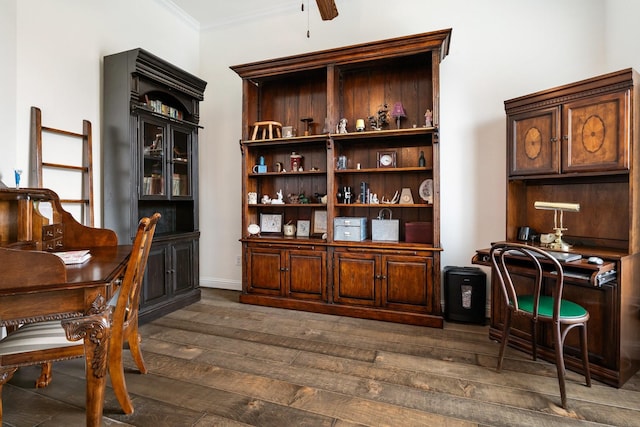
pixel 52 237
pixel 350 229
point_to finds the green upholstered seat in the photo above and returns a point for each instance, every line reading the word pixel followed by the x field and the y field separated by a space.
pixel 568 309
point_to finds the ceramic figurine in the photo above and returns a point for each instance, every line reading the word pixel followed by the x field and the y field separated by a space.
pixel 428 118
pixel 342 126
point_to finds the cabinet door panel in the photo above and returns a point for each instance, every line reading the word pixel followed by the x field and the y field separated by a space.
pixel 533 142
pixel 153 139
pixel 596 138
pixel 355 279
pixel 264 272
pixel 307 274
pixel 183 262
pixel 601 333
pixel 155 286
pixel 181 155
pixel 408 282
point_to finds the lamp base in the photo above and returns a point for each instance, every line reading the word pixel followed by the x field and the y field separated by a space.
pixel 559 244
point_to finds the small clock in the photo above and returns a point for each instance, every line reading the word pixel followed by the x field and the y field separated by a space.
pixel 406 197
pixel 386 159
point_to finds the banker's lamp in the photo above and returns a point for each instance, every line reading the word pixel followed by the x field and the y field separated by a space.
pixel 558 210
pixel 398 112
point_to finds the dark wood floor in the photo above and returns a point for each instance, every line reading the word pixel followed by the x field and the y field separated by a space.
pixel 218 362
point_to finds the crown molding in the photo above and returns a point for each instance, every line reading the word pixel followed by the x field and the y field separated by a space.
pixel 180 13
pixel 266 9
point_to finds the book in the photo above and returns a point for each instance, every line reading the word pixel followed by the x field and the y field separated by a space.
pixel 74 257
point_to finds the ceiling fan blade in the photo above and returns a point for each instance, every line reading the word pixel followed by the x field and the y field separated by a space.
pixel 328 9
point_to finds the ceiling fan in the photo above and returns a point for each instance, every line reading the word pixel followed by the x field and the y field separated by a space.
pixel 328 9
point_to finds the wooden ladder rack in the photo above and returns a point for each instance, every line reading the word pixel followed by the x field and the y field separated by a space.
pixel 38 164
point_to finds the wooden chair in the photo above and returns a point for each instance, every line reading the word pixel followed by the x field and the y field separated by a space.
pixel 45 342
pixel 531 299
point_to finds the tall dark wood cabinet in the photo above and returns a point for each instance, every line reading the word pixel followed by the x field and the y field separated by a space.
pixel 150 164
pixel 339 261
pixel 578 143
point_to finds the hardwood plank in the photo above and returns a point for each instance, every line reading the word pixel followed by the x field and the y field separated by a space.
pixel 289 394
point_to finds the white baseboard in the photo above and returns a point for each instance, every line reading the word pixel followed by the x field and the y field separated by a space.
pixel 210 282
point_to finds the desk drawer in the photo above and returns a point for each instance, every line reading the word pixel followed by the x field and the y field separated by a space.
pixel 53 245
pixel 52 237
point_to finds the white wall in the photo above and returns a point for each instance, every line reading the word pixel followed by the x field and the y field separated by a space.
pixel 8 91
pixel 500 49
pixel 55 51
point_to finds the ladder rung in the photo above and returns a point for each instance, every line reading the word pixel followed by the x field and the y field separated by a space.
pixel 59 166
pixel 75 201
pixel 62 132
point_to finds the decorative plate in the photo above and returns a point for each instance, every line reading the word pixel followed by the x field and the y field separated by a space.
pixel 426 190
pixel 253 229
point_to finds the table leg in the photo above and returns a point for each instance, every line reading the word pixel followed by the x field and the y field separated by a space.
pixel 95 330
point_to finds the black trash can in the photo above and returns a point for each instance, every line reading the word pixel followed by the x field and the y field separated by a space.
pixel 465 294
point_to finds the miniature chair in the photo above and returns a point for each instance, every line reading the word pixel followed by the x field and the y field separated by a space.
pixel 528 299
pixel 46 342
pixel 267 128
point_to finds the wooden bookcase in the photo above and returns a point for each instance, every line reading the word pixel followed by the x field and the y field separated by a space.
pixel 578 143
pixel 150 164
pixel 396 281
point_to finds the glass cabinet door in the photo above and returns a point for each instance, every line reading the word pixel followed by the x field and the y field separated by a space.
pixel 181 160
pixel 153 164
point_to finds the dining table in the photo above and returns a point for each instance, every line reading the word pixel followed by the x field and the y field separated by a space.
pixel 36 286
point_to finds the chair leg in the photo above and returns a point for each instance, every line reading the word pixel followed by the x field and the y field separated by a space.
pixel 505 338
pixel 133 338
pixel 534 339
pixel 45 375
pixel 557 338
pixel 585 354
pixel 116 372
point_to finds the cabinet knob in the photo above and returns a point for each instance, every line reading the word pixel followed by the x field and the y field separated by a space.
pixel 565 137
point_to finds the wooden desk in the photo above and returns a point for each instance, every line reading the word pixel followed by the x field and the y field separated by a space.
pixel 36 285
pixel 79 300
pixel 614 324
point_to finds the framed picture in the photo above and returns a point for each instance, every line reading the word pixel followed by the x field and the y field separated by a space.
pixel 271 223
pixel 319 223
pixel 303 228
pixel 386 159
